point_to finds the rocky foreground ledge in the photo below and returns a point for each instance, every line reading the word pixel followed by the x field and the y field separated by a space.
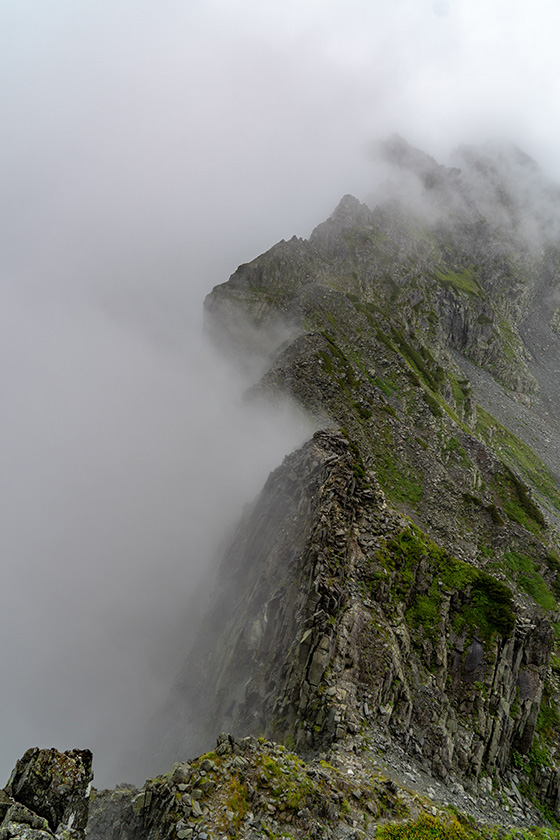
pixel 47 796
pixel 252 789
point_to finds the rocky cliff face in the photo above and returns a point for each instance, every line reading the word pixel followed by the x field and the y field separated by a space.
pixel 47 796
pixel 408 581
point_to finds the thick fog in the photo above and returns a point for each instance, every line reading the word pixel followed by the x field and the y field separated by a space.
pixel 147 150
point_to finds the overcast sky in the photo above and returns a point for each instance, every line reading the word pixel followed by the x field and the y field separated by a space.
pixel 148 149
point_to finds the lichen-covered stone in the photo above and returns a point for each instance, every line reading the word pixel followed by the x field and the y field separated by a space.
pixel 47 795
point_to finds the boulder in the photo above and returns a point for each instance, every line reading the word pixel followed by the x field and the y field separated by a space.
pixel 47 795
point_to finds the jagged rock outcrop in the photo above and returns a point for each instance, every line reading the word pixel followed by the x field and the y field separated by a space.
pixel 253 789
pixel 47 796
pixel 346 614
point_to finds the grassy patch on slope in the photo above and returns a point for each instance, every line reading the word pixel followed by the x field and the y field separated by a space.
pixel 518 455
pixel 428 827
pixel 524 572
pixel 461 281
pixel 486 610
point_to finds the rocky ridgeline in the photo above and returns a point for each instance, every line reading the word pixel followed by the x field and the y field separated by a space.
pixel 388 607
pixel 250 789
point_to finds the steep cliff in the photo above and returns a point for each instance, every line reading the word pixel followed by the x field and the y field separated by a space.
pixel 399 573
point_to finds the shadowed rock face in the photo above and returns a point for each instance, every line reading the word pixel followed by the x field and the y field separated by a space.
pixel 47 794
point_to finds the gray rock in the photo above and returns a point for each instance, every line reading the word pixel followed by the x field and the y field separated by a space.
pixel 48 790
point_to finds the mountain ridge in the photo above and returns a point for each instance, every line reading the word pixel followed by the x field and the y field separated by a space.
pixel 388 607
pixel 383 305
